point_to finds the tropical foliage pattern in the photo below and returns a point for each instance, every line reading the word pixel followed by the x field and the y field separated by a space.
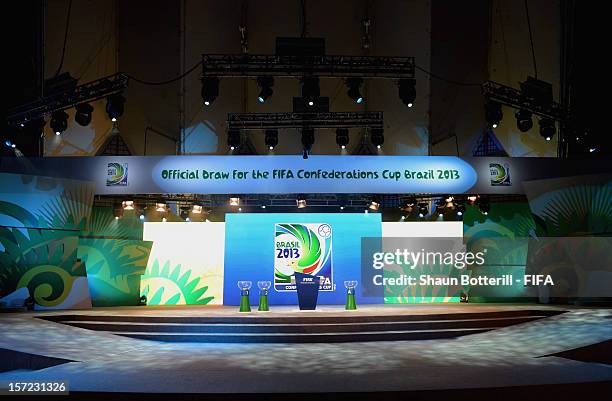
pixel 172 285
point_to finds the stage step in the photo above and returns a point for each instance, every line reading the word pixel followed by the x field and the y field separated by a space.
pixel 304 328
pixel 258 328
pixel 305 338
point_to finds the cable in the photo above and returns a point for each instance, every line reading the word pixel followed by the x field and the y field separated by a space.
pixel 183 75
pixel 535 66
pixel 59 68
pixel 450 81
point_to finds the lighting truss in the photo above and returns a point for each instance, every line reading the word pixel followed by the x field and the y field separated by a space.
pixel 258 121
pixel 248 65
pixel 87 92
pixel 515 99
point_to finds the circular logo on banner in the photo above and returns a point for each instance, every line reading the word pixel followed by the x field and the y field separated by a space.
pixel 324 230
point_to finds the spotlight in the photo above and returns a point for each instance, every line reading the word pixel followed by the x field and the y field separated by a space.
pixel 377 137
pixel 210 89
pixel 407 91
pixel 353 85
pixel 307 141
pixel 523 120
pixel 9 144
pixel 233 138
pixel 160 207
pixel 271 138
pixel 342 137
pixel 114 106
pixel 83 114
pixel 484 205
pixel 423 209
pixel 472 199
pixel 265 83
pixel 196 209
pixel 59 122
pixel 547 128
pixel 142 217
pixel 374 204
pixel 310 90
pixel 128 205
pixel 408 206
pixel 448 201
pixel 234 200
pixel 301 202
pixel 493 113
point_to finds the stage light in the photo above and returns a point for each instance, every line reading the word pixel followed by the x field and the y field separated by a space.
pixel 423 209
pixel 448 201
pixel 160 207
pixel 374 204
pixel 353 85
pixel 377 137
pixel 308 139
pixel 484 205
pixel 547 128
pixel 234 200
pixel 9 144
pixel 240 209
pixel 233 138
pixel 407 91
pixel 342 137
pixel 271 138
pixel 142 217
pixel 265 83
pixel 310 90
pixel 493 113
pixel 524 121
pixel 472 199
pixel 301 202
pixel 263 206
pixel 128 205
pixel 59 122
pixel 210 90
pixel 114 106
pixel 341 207
pixel 83 114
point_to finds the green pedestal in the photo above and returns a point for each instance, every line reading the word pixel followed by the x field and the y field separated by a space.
pixel 245 306
pixel 263 303
pixel 350 302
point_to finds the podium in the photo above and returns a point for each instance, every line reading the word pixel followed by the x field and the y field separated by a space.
pixel 307 287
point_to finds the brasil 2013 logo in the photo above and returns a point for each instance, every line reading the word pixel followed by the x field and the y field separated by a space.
pixel 500 174
pixel 117 174
pixel 303 248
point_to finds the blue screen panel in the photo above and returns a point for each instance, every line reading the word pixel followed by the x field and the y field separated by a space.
pixel 270 246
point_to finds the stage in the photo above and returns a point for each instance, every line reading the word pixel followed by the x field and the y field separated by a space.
pixel 376 348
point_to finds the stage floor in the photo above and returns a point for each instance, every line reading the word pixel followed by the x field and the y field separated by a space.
pixel 517 355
